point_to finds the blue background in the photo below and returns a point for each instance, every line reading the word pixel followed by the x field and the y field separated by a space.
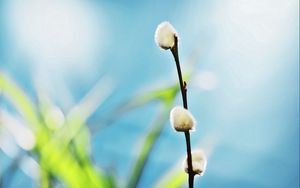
pixel 248 120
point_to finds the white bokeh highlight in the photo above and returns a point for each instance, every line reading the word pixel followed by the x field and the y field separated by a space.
pixel 55 33
pixel 19 132
pixel 205 80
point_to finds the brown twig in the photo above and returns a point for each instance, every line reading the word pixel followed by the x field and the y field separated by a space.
pixel 183 89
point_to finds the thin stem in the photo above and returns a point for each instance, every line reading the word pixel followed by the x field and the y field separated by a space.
pixel 183 90
pixel 189 159
pixel 174 51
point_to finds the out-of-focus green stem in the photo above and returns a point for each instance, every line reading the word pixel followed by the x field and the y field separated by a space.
pixel 147 146
pixel 54 157
pixel 20 101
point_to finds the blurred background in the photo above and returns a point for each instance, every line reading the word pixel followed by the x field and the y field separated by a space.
pixel 98 87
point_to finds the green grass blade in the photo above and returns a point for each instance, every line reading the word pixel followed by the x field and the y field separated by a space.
pixel 23 104
pixel 174 179
pixel 146 148
pixel 167 96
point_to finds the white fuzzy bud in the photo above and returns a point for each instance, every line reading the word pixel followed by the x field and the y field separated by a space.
pixel 199 162
pixel 165 35
pixel 181 119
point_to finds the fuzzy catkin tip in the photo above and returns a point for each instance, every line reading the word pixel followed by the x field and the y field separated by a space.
pixel 199 162
pixel 181 119
pixel 165 35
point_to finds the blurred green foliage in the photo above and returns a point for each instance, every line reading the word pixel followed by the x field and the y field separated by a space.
pixel 61 150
